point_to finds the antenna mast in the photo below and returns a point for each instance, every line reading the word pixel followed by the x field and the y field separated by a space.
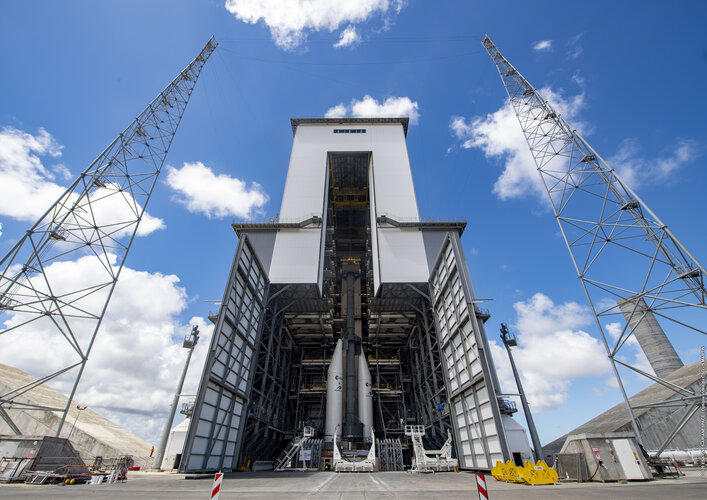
pixel 95 220
pixel 631 266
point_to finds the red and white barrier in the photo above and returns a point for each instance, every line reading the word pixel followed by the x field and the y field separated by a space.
pixel 481 485
pixel 216 488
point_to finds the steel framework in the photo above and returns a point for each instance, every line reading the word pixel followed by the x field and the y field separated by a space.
pixel 95 221
pixel 620 249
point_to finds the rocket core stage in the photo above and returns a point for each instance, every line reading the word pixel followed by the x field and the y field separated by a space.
pixel 335 395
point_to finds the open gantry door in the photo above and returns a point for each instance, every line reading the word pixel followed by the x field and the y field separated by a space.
pixel 478 429
pixel 215 433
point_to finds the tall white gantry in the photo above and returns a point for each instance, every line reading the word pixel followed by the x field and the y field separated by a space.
pixel 348 313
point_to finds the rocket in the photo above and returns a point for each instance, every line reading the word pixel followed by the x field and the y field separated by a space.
pixel 335 392
pixel 365 396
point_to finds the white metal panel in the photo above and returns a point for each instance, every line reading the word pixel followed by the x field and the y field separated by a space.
pixel 218 419
pixel 475 416
pixel 402 256
pixel 305 187
pixel 374 232
pixel 401 253
pixel 296 256
pixel 306 176
pixel 322 239
pixel 395 192
pixel 296 252
pixel 628 458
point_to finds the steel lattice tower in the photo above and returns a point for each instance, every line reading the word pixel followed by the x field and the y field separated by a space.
pixel 631 266
pixel 97 219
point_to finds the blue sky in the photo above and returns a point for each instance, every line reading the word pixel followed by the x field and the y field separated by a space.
pixel 630 73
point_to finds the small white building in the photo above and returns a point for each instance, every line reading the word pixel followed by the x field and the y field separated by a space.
pixel 175 445
pixel 518 444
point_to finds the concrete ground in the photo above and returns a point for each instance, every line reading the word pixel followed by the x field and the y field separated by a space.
pixel 330 485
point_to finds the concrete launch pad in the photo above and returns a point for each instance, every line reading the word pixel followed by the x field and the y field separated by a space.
pixel 383 485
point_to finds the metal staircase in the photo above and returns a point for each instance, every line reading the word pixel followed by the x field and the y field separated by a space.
pixel 291 450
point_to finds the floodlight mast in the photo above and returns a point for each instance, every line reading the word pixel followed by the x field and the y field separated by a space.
pixel 95 221
pixel 190 342
pixel 620 249
pixel 509 341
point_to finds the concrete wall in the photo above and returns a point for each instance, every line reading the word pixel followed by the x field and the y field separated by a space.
pixel 650 336
pixel 92 435
pixel 655 423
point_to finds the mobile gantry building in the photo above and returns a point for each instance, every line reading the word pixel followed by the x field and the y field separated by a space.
pixel 350 314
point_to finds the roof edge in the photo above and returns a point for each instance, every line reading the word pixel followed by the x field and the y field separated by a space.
pixel 403 120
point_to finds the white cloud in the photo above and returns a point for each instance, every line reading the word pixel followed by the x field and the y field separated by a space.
pixel 610 383
pixel 202 191
pixel 61 170
pixel 348 37
pixel 132 372
pixel 289 22
pixel 552 351
pixel 338 111
pixel 112 206
pixel 636 171
pixel 370 107
pixel 542 45
pixel 631 351
pixel 574 49
pixel 462 130
pixel 27 187
pixel 499 135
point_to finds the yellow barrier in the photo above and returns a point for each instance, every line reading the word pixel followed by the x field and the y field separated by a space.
pixel 539 473
pixel 507 472
pixel 531 473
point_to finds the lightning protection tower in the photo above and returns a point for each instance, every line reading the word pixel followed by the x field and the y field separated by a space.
pixel 633 269
pixel 94 222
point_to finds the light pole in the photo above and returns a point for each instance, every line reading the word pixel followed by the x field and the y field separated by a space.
pixel 510 340
pixel 80 409
pixel 189 343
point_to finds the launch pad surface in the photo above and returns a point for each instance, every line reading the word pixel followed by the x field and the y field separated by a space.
pixel 383 485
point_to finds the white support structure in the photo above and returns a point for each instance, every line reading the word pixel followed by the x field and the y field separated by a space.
pixel 368 464
pixel 441 460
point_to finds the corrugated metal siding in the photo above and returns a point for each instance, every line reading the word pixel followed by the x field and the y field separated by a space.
pixel 475 416
pixel 215 434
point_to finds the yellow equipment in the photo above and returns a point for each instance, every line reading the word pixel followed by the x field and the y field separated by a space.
pixel 507 472
pixel 245 465
pixel 539 473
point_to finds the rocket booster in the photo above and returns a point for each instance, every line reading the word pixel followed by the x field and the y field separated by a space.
pixel 335 393
pixel 365 395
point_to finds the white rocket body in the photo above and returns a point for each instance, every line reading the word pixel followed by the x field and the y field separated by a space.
pixel 365 396
pixel 335 393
